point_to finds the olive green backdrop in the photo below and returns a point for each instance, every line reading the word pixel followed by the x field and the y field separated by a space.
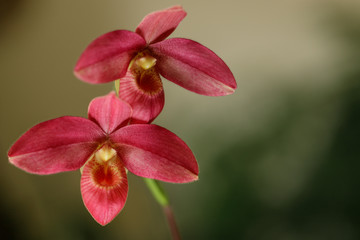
pixel 279 159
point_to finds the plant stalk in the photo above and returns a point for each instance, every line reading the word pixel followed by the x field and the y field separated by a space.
pixel 161 197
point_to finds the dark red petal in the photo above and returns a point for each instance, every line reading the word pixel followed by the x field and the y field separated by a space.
pixel 193 66
pixel 156 26
pixel 108 56
pixel 58 145
pixel 153 152
pixel 104 189
pixel 109 112
pixel 144 92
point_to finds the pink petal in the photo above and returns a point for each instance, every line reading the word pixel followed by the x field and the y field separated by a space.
pixel 153 152
pixel 156 26
pixel 104 189
pixel 193 66
pixel 61 144
pixel 145 94
pixel 109 112
pixel 107 57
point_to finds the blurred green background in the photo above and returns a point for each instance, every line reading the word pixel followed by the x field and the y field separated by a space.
pixel 279 159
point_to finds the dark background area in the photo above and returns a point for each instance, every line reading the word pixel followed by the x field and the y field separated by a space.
pixel 278 159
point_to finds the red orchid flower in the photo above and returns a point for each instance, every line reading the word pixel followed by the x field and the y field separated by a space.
pixel 138 58
pixel 104 145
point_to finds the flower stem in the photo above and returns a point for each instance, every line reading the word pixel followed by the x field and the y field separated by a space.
pixel 157 191
pixel 172 223
pixel 117 86
pixel 161 197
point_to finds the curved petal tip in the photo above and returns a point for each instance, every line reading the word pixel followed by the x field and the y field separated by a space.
pixel 158 25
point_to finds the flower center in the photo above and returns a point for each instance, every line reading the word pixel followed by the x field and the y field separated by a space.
pixel 146 62
pixel 104 154
pixel 149 81
pixel 147 78
pixel 106 175
pixel 105 171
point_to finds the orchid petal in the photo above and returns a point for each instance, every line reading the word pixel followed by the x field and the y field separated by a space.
pixel 58 145
pixel 153 152
pixel 156 26
pixel 193 66
pixel 145 94
pixel 107 57
pixel 109 112
pixel 104 189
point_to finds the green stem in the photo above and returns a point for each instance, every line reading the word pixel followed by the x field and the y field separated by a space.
pixel 161 197
pixel 117 86
pixel 157 191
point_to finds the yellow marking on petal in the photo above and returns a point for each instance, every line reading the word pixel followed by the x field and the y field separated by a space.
pixel 105 153
pixel 146 62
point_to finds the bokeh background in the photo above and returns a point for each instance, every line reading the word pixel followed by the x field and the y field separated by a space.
pixel 279 159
